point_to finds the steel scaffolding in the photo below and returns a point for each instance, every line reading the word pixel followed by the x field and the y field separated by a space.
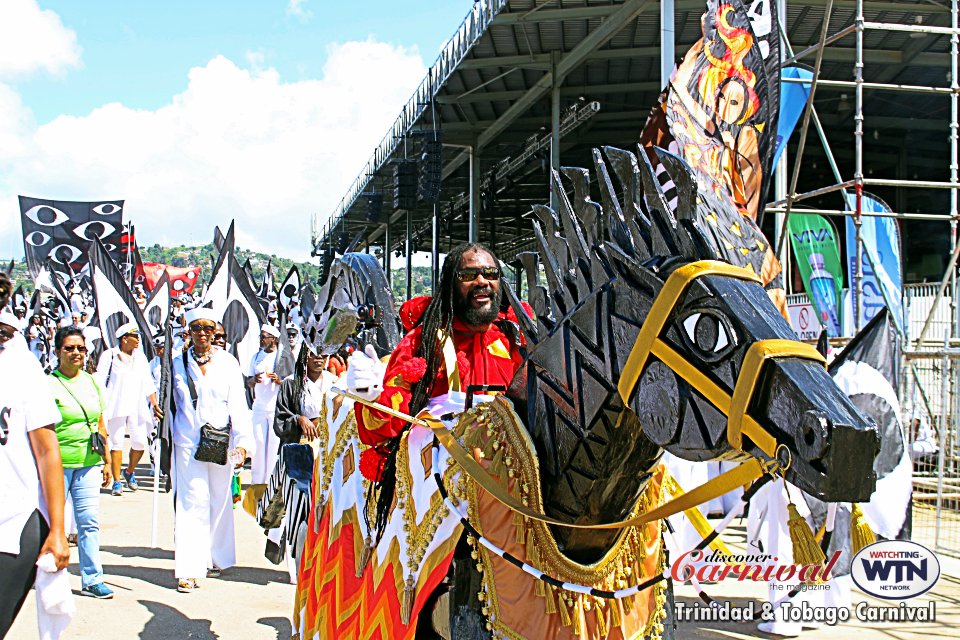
pixel 853 205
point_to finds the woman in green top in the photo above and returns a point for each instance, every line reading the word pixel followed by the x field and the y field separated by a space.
pixel 80 401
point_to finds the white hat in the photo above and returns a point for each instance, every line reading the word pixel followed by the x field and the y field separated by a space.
pixel 270 330
pixel 124 329
pixel 201 313
pixel 8 318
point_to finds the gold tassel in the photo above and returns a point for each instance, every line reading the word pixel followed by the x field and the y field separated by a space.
pixel 496 465
pixel 406 607
pixel 563 610
pixel 520 524
pixel 860 533
pixel 627 605
pixel 577 616
pixel 616 617
pixel 539 588
pixel 488 450
pixel 365 556
pixel 601 618
pixel 805 548
pixel 551 606
pixel 462 424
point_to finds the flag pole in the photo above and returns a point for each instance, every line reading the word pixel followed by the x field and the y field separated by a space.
pixel 155 453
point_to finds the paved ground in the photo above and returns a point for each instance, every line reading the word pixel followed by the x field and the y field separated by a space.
pixel 253 601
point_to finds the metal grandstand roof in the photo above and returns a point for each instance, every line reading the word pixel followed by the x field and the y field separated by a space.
pixel 490 89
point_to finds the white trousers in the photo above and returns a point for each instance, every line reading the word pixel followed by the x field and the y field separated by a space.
pixel 268 447
pixel 203 523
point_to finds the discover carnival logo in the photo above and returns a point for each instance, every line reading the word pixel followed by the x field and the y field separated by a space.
pixel 895 569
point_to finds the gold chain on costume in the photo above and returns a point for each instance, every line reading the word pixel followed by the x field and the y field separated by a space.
pixel 496 429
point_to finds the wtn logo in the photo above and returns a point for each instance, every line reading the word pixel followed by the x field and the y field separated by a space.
pixel 813 235
pixel 902 570
pixel 895 569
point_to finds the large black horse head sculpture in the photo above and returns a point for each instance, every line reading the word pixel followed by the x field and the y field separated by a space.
pixel 644 341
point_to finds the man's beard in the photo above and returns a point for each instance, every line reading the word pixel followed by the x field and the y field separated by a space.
pixel 477 317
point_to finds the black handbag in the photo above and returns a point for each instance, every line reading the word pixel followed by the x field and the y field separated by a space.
pixel 97 442
pixel 214 443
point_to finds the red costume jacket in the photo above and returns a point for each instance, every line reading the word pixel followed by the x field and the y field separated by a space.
pixel 489 358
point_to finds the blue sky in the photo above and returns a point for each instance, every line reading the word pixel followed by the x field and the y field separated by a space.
pixel 139 53
pixel 200 112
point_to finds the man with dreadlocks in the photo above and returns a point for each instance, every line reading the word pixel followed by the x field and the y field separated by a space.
pixel 469 313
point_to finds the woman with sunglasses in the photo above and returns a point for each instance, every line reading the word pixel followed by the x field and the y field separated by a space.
pixel 207 390
pixel 85 469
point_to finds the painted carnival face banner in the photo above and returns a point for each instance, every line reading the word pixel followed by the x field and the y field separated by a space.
pixel 814 242
pixel 157 309
pixel 719 112
pixel 882 283
pixel 64 231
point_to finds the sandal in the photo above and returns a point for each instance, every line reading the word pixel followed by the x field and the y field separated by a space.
pixel 187 585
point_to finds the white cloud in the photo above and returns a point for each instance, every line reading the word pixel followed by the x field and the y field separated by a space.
pixel 32 39
pixel 296 8
pixel 237 143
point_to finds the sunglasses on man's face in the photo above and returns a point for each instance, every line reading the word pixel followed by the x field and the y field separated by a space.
pixel 219 336
pixel 471 274
pixel 70 348
pixel 203 328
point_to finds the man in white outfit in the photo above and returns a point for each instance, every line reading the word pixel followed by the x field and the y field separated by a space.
pixel 123 373
pixel 203 529
pixel 266 371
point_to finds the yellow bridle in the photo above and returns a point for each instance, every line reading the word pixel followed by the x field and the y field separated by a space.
pixel 734 406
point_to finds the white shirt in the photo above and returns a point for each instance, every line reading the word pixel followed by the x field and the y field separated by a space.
pixel 126 382
pixel 314 394
pixel 265 393
pixel 26 404
pixel 221 397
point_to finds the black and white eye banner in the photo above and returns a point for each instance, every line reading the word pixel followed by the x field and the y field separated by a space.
pixel 63 231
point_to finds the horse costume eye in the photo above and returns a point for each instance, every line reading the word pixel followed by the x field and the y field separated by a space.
pixel 709 333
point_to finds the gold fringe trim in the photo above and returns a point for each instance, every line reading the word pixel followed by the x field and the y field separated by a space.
pixel 365 556
pixel 563 610
pixel 805 547
pixel 616 617
pixel 601 617
pixel 578 616
pixel 550 605
pixel 860 533
pixel 520 525
pixel 406 606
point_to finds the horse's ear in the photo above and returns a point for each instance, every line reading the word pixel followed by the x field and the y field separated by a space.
pixel 712 221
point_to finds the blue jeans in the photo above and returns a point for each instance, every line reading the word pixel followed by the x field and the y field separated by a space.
pixel 83 485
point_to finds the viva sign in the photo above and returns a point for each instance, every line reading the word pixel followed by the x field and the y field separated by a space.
pixel 814 242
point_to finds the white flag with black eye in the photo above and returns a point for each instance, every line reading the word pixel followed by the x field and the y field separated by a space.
pixel 289 289
pixel 115 303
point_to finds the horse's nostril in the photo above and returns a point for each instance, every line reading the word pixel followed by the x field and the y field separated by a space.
pixel 812 435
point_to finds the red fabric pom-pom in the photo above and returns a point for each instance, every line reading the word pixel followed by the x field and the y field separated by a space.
pixel 463 365
pixel 372 462
pixel 412 370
